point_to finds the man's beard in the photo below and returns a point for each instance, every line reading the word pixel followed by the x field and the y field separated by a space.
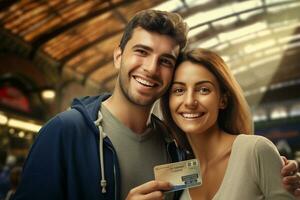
pixel 132 99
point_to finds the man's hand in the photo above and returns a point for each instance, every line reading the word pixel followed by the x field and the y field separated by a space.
pixel 152 190
pixel 291 176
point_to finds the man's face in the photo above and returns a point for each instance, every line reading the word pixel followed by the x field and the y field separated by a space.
pixel 146 66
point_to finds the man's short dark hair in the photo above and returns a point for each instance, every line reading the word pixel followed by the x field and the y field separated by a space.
pixel 162 22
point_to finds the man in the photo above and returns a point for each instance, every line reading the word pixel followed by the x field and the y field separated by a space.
pixel 103 147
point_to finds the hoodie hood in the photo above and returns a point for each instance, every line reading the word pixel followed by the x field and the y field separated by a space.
pixel 89 107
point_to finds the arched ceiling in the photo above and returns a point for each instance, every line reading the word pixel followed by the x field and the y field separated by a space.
pixel 259 39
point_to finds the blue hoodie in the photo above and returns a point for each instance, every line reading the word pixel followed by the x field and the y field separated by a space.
pixel 64 161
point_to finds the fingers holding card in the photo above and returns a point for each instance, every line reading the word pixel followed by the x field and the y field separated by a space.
pixel 181 175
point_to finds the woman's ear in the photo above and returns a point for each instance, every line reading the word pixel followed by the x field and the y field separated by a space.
pixel 117 57
pixel 223 101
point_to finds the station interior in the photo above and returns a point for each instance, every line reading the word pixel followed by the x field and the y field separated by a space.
pixel 54 51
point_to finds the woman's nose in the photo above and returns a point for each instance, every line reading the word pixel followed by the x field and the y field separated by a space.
pixel 190 100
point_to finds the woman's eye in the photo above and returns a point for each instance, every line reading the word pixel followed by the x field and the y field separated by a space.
pixel 204 90
pixel 177 91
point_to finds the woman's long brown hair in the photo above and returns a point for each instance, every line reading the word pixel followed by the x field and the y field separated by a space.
pixel 235 118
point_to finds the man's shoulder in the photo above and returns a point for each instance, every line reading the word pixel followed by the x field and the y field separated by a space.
pixel 69 114
pixel 66 118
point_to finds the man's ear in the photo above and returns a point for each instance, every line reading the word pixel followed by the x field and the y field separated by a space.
pixel 117 57
pixel 223 101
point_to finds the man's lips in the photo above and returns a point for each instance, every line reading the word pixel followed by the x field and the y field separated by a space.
pixel 144 82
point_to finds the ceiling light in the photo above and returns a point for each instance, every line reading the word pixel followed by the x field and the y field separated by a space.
pixel 169 6
pixel 226 22
pixel 193 3
pixel 227 36
pixel 196 31
pixel 275 9
pixel 259 46
pixel 21 134
pixel 287 25
pixel 284 84
pixel 289 38
pixel 295 110
pixel 291 45
pixel 209 43
pixel 221 47
pixel 48 94
pixel 293 5
pixel 247 15
pixel 279 112
pixel 260 115
pixel 264 33
pixel 272 50
pixel 11 131
pixel 263 89
pixel 241 6
pixel 23 125
pixel 263 61
pixel 202 17
pixel 3 119
pixel 240 69
pixel 243 39
pixel 257 118
pixel 255 91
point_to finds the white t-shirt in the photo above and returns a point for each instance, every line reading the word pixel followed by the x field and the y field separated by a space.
pixel 253 172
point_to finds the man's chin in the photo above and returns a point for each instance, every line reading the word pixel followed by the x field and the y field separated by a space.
pixel 142 101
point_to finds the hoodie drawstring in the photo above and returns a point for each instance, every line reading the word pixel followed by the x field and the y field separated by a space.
pixel 102 135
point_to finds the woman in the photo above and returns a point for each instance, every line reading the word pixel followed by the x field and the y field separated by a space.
pixel 210 117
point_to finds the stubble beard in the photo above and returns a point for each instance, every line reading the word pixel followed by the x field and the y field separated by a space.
pixel 134 100
pixel 125 90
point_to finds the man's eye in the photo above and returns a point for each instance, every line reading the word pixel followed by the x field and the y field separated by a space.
pixel 167 62
pixel 141 52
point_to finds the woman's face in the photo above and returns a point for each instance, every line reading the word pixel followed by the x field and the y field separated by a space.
pixel 195 98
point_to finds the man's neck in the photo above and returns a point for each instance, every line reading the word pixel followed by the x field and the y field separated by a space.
pixel 133 116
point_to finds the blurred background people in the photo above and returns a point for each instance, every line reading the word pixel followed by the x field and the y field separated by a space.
pixel 15 178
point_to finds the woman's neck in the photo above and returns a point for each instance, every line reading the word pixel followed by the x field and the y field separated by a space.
pixel 213 149
pixel 210 145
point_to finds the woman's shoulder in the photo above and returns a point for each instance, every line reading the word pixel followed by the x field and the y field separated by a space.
pixel 256 143
pixel 253 139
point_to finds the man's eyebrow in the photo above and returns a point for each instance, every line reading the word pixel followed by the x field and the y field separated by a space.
pixel 142 46
pixel 168 55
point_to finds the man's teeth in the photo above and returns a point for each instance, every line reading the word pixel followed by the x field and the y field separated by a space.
pixel 144 82
pixel 191 115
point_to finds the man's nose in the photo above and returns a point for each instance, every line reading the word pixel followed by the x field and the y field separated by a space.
pixel 151 66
